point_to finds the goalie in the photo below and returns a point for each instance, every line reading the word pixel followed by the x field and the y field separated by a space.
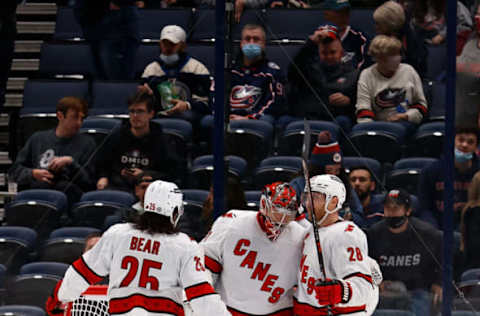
pixel 149 263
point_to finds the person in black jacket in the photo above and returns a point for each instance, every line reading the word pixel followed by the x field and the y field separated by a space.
pixel 58 159
pixel 134 147
pixel 409 251
pixel 322 86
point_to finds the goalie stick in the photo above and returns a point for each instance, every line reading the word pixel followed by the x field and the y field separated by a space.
pixel 305 153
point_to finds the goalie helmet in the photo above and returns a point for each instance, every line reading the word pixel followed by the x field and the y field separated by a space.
pixel 164 198
pixel 278 205
pixel 331 186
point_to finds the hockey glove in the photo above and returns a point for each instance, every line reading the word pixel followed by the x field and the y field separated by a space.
pixel 53 305
pixel 332 292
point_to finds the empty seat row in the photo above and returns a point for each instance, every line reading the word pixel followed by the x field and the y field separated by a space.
pixel 198 23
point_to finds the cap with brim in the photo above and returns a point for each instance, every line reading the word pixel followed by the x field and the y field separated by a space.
pixel 173 33
pixel 399 197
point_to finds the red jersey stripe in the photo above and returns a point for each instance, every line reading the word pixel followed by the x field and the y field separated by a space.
pixel 283 312
pixel 213 265
pixel 360 275
pixel 151 304
pixel 199 290
pixel 84 270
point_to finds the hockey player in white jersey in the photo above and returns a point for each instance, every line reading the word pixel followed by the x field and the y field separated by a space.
pixel 149 263
pixel 343 285
pixel 254 256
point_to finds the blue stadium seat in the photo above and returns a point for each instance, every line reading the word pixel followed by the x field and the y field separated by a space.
pixel 190 223
pixel 471 274
pixel 16 244
pixel 428 140
pixel 66 26
pixel 372 164
pixel 253 199
pixel 99 128
pixel 282 54
pixel 250 139
pixel 406 173
pixel 35 282
pixel 178 134
pixel 291 141
pixel 380 140
pixel 40 98
pixel 437 106
pixel 201 171
pixel 292 24
pixel 65 244
pixel 203 28
pixel 152 21
pixel 110 98
pixel 22 310
pixel 95 206
pixel 278 168
pixel 436 62
pixel 362 20
pixel 40 209
pixel 66 59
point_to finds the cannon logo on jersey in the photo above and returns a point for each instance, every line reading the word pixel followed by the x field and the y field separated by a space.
pixel 390 97
pixel 245 96
pixel 260 270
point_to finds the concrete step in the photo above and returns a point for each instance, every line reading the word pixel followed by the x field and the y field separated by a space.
pixel 37 9
pixel 13 100
pixel 16 83
pixel 28 46
pixel 35 27
pixel 20 64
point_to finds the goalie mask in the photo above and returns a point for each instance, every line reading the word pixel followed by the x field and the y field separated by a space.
pixel 164 198
pixel 331 186
pixel 278 205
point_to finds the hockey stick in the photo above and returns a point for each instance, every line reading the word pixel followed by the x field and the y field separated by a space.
pixel 305 153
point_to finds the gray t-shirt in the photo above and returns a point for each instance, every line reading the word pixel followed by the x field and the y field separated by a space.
pixel 470 53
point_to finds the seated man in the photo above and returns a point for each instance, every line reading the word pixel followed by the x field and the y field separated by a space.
pixel 134 147
pixel 363 183
pixel 319 63
pixel 257 84
pixel 389 90
pixel 177 73
pixel 58 159
pixel 398 244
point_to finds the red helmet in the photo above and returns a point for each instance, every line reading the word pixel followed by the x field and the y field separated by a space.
pixel 279 206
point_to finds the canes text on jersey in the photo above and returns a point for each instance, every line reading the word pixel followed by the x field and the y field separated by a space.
pixel 260 270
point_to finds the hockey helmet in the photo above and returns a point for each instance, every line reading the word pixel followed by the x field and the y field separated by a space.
pixel 331 186
pixel 164 198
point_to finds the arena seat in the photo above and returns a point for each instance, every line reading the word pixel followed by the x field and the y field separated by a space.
pixel 278 168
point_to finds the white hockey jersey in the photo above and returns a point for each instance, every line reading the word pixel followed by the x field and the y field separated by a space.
pixel 345 257
pixel 256 274
pixel 147 274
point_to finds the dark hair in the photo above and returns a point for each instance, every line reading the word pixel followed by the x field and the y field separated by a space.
pixel 147 173
pixel 251 26
pixel 72 103
pixel 153 223
pixel 362 168
pixel 467 130
pixel 97 234
pixel 142 97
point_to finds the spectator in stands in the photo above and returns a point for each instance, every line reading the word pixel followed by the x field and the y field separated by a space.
pixel 322 87
pixel 398 243
pixel 469 59
pixel 431 182
pixel 257 87
pixel 470 225
pixel 179 82
pixel 326 158
pixel 8 32
pixel 362 181
pixel 429 19
pixel 112 30
pixel 390 90
pixel 134 147
pixel 60 158
pixel 91 240
pixel 390 20
pixel 234 200
pixel 354 42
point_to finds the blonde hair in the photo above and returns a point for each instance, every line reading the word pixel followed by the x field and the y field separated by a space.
pixel 383 45
pixel 390 15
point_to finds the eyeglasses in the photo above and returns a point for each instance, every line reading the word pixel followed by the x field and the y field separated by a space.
pixel 137 112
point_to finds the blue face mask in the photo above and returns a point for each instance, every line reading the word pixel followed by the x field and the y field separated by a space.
pixel 251 51
pixel 462 157
pixel 169 59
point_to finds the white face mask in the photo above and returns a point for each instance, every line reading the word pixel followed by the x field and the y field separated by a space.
pixel 169 59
